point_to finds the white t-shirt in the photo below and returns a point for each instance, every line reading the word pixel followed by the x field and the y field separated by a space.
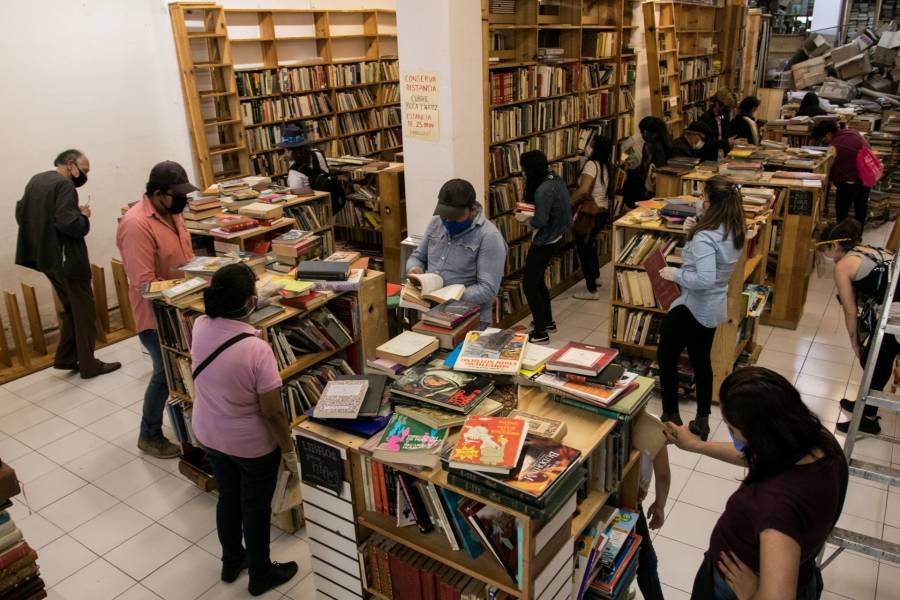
pixel 296 179
pixel 598 192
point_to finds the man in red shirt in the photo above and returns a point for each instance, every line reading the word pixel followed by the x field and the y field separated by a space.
pixel 848 187
pixel 153 241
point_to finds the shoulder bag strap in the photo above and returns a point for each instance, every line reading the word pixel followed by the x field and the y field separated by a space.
pixel 222 348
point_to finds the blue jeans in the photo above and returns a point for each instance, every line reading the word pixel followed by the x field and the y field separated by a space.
pixel 246 486
pixel 157 391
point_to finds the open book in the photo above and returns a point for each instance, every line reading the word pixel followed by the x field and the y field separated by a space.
pixel 421 290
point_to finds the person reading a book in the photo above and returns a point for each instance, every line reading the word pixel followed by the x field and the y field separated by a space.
pixel 52 228
pixel 844 174
pixel 692 141
pixel 744 125
pixel 239 419
pixel 641 162
pixel 765 543
pixel 717 118
pixel 590 203
pixel 861 283
pixel 648 438
pixel 462 246
pixel 713 247
pixel 153 242
pixel 551 220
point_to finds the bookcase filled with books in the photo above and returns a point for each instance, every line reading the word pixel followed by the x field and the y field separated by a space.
pixel 318 331
pixel 684 58
pixel 558 73
pixel 650 237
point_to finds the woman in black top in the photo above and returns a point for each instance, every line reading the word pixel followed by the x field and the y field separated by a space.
pixel 766 542
pixel 656 153
pixel 744 125
pixel 810 106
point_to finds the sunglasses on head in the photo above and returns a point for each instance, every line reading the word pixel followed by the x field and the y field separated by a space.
pixel 822 243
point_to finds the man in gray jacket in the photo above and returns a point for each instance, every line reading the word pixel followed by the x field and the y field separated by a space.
pixel 52 228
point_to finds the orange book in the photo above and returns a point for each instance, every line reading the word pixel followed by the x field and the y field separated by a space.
pixel 489 444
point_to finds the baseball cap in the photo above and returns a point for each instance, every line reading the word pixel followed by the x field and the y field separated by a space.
pixel 171 176
pixel 701 128
pixel 454 198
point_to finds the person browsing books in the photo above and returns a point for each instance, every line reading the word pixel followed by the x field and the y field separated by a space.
pixel 153 241
pixel 591 203
pixel 552 219
pixel 713 247
pixel 239 419
pixel 744 125
pixel 52 228
pixel 765 543
pixel 692 141
pixel 463 247
pixel 716 118
pixel 859 280
pixel 844 174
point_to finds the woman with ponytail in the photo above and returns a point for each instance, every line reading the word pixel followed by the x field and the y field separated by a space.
pixel 239 419
pixel 714 245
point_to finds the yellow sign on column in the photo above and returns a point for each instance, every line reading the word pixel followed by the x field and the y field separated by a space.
pixel 420 106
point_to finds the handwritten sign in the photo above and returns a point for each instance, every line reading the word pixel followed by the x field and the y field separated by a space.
pixel 420 106
pixel 800 203
pixel 320 464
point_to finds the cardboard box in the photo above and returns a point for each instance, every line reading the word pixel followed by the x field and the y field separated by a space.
pixel 816 45
pixel 835 89
pixel 884 56
pixel 878 83
pixel 858 66
pixel 845 52
pixel 809 73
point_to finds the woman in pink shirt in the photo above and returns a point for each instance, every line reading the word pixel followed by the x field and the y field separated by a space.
pixel 239 419
pixel 849 190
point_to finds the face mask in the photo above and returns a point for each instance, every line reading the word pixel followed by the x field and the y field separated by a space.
pixel 739 446
pixel 81 179
pixel 178 205
pixel 699 145
pixel 456 227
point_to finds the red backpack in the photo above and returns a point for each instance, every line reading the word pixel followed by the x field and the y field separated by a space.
pixel 869 167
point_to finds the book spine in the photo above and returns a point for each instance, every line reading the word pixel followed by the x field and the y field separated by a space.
pixel 442 515
pixel 610 414
pixel 390 479
pixel 487 483
pixel 415 502
pixel 495 496
pixel 372 560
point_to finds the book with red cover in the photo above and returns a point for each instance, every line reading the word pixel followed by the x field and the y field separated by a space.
pixel 489 444
pixel 581 359
pixel 16 552
pixel 306 301
pixel 666 291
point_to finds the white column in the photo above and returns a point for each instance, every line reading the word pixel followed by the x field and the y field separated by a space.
pixel 442 37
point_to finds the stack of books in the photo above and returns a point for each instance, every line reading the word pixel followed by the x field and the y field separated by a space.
pixel 437 388
pixel 291 245
pixel 449 322
pixel 20 576
pixel 320 331
pixel 499 352
pixel 608 562
pixel 200 210
pixel 586 373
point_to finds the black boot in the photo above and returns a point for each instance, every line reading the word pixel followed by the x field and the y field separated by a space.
pixel 868 425
pixel 700 427
pixel 277 575
pixel 847 405
pixel 671 418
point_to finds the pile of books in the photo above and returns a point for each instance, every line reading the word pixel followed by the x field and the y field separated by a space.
pixel 494 351
pixel 607 562
pixel 20 576
pixel 320 331
pixel 449 322
pixel 586 373
pixel 293 244
pixel 201 212
pixel 301 393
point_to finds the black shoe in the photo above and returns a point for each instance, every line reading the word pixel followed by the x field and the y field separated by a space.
pixel 868 425
pixel 278 574
pixel 68 367
pixel 538 337
pixel 671 418
pixel 847 405
pixel 551 326
pixel 700 427
pixel 230 574
pixel 102 368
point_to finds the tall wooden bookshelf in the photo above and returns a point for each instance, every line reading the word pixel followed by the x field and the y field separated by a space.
pixel 733 337
pixel 538 101
pixel 684 58
pixel 334 70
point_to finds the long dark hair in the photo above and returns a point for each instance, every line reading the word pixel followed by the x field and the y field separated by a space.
pixel 810 106
pixel 847 234
pixel 601 153
pixel 659 133
pixel 771 416
pixel 536 169
pixel 725 208
pixel 231 288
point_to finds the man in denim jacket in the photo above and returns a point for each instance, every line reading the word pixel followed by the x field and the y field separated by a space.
pixel 462 246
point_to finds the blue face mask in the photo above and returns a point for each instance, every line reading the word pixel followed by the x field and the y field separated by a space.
pixel 739 446
pixel 456 227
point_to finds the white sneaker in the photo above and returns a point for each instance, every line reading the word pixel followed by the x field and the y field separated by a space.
pixel 586 295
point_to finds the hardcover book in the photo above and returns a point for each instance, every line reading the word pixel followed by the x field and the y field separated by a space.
pixel 492 351
pixel 593 393
pixel 408 348
pixel 581 359
pixel 451 313
pixel 489 444
pixel 341 399
pixel 446 389
pixel 666 291
pixel 498 532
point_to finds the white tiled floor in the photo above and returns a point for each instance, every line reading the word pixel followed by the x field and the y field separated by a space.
pixel 109 523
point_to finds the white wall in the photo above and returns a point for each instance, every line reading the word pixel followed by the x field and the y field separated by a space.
pixel 100 76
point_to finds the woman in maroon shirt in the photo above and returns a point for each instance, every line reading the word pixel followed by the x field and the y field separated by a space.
pixel 849 190
pixel 766 542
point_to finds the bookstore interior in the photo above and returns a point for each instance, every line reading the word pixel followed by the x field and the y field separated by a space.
pixel 452 300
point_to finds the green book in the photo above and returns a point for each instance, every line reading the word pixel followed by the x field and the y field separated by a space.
pixel 409 442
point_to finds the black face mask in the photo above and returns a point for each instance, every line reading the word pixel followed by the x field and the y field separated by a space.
pixel 81 179
pixel 178 204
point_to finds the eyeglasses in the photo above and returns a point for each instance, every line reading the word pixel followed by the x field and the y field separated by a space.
pixel 817 244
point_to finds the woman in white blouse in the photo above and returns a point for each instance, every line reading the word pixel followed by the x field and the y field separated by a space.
pixel 592 198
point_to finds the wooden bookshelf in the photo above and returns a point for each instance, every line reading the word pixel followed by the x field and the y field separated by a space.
pixel 381 194
pixel 685 57
pixel 729 343
pixel 593 88
pixel 248 94
pixel 371 331
pixel 586 432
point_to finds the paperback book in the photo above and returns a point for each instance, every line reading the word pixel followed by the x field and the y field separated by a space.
pixel 443 388
pixel 492 351
pixel 442 419
pixel 489 444
pixel 341 399
pixel 406 441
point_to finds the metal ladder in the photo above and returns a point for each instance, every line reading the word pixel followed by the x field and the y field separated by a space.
pixel 843 538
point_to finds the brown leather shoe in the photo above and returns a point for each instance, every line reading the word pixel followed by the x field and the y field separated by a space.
pixel 159 447
pixel 102 368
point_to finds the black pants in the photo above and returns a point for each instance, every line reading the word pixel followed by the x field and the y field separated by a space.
pixel 534 285
pixel 246 486
pixel 681 330
pixel 78 329
pixel 648 572
pixel 586 247
pixel 855 194
pixel 884 367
